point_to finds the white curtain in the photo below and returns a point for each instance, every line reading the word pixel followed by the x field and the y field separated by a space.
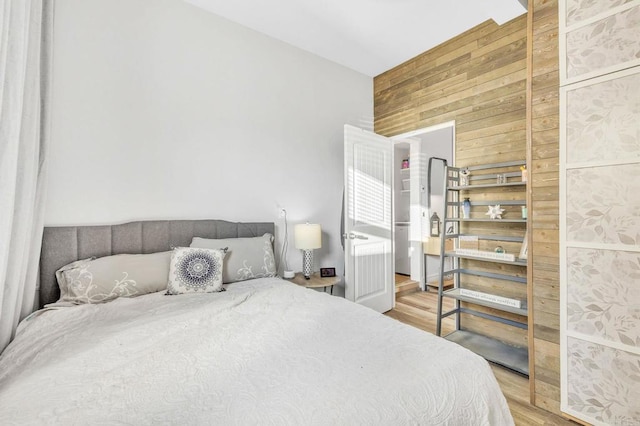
pixel 25 37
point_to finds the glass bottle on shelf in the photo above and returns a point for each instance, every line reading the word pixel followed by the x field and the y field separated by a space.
pixel 466 209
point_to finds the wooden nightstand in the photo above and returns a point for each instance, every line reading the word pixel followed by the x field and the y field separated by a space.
pixel 315 281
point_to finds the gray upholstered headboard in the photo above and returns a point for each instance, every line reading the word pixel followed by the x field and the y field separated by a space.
pixel 66 244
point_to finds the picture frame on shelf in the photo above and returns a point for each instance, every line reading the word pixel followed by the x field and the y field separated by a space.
pixel 524 249
pixel 327 272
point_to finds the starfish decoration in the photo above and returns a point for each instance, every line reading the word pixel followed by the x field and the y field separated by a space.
pixel 495 212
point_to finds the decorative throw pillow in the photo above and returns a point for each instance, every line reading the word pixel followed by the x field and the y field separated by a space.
pixel 246 258
pixel 195 270
pixel 106 278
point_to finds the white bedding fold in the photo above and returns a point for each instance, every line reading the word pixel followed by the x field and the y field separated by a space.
pixel 264 352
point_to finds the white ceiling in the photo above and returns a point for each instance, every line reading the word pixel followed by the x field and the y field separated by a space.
pixel 369 36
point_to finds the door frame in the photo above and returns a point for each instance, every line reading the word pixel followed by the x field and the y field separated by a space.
pixel 415 218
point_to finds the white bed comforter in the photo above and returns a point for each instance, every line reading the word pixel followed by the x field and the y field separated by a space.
pixel 264 352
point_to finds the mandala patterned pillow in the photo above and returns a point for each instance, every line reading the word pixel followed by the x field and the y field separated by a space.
pixel 195 270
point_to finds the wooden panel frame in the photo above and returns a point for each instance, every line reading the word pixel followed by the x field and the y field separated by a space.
pixel 565 29
pixel 565 244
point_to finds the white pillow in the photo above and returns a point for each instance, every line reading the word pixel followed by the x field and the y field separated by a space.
pixel 195 270
pixel 106 278
pixel 246 258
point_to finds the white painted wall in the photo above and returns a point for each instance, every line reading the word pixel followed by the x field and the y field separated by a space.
pixel 164 111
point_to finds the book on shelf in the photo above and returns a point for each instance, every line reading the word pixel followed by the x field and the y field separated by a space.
pixel 514 303
pixel 486 254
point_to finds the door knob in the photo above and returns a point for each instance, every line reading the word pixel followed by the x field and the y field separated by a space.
pixel 353 236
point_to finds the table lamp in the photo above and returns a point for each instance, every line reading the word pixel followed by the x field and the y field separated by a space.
pixel 307 236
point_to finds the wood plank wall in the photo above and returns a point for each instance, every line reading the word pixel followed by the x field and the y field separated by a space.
pixel 479 79
pixel 544 209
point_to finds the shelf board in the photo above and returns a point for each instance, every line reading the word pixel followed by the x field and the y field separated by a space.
pixel 512 357
pixel 406 169
pixel 486 185
pixel 517 262
pixel 457 219
pixel 492 275
pixel 497 165
pixel 455 294
pixel 490 203
pixel 488 237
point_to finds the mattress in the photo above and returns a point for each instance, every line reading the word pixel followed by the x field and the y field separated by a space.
pixel 263 352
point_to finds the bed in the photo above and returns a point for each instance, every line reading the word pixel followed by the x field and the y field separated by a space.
pixel 265 351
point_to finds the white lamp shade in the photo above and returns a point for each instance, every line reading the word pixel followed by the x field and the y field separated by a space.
pixel 307 236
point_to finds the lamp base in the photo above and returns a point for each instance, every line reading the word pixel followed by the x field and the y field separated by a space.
pixel 307 263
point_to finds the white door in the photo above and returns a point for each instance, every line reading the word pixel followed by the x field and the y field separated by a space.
pixel 368 175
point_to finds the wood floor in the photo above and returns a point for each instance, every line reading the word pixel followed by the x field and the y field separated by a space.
pixel 418 308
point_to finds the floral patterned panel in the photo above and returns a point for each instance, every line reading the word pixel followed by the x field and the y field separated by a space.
pixel 603 120
pixel 604 383
pixel 603 205
pixel 579 10
pixel 603 294
pixel 611 41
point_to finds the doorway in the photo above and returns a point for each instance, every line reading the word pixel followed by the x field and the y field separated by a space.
pixel 412 195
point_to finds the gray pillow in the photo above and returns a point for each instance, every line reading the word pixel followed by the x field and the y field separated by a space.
pixel 195 270
pixel 246 258
pixel 106 278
